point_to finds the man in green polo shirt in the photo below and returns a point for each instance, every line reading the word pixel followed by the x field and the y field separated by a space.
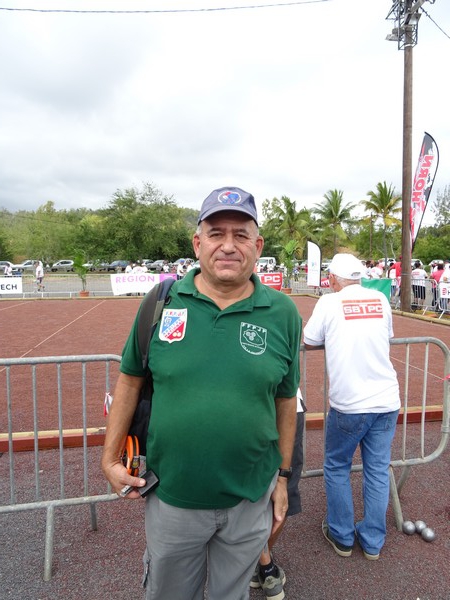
pixel 225 367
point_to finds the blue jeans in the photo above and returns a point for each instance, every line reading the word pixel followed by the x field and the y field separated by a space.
pixel 374 433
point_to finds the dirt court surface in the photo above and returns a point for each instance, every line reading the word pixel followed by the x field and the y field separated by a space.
pixel 35 328
pixel 90 565
pixel 101 325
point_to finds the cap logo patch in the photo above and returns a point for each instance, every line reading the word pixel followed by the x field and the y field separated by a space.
pixel 230 198
pixel 253 338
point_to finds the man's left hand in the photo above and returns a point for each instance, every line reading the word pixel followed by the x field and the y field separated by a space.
pixel 280 503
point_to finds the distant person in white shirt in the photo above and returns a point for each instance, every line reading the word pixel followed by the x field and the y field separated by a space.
pixel 418 276
pixel 376 272
pixel 39 274
pixel 180 270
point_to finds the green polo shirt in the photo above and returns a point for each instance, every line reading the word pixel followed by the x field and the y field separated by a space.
pixel 213 439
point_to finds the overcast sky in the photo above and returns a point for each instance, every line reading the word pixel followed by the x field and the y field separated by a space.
pixel 287 100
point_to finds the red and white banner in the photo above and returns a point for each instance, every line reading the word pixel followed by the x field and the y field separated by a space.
pixel 423 182
pixel 273 280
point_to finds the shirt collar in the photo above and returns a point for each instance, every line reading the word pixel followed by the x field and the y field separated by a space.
pixel 260 296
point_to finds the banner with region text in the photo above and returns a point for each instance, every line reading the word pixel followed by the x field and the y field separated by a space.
pixel 136 283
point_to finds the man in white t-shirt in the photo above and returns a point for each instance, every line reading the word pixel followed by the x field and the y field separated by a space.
pixel 354 326
pixel 376 272
pixel 418 276
pixel 180 270
pixel 39 275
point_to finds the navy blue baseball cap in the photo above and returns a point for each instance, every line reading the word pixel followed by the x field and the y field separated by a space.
pixel 228 198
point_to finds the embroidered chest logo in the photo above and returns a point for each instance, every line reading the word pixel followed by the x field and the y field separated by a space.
pixel 362 309
pixel 253 338
pixel 173 325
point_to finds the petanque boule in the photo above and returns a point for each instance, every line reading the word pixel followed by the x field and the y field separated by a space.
pixel 408 527
pixel 428 534
pixel 420 526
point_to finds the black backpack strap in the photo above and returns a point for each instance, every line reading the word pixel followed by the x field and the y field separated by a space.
pixel 149 315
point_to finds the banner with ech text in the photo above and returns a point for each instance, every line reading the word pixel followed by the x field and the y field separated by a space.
pixel 10 285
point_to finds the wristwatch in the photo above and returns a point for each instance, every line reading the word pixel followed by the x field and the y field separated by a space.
pixel 285 473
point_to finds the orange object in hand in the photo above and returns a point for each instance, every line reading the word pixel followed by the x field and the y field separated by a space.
pixel 130 455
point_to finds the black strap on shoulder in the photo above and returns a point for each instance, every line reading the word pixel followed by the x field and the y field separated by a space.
pixel 149 315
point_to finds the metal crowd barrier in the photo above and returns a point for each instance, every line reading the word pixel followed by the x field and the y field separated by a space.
pixel 407 414
pixel 20 499
pixel 441 298
pixel 10 441
pixel 417 303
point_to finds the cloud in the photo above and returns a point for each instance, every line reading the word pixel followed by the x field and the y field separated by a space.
pixel 280 101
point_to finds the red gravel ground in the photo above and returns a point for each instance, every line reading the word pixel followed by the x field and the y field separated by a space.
pixel 107 563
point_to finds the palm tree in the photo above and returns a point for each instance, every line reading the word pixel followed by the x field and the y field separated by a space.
pixel 333 213
pixel 283 223
pixel 384 203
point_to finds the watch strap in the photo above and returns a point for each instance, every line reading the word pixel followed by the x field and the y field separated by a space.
pixel 285 473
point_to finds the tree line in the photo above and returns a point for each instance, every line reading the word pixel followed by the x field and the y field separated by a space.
pixel 146 223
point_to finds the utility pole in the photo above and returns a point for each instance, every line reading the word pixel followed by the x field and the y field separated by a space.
pixel 406 15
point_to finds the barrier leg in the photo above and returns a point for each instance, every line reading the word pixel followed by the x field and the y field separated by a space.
pixel 93 507
pixel 396 506
pixel 403 477
pixel 49 532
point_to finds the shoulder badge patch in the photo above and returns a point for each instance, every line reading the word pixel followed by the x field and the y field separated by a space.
pixel 173 325
pixel 253 338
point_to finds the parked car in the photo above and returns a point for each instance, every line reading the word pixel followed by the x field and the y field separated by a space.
pixel 62 266
pixel 156 265
pixel 180 260
pixel 267 263
pixel 4 263
pixel 118 265
pixel 101 266
pixel 26 265
pixel 96 265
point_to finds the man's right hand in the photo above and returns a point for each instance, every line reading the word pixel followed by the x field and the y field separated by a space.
pixel 126 396
pixel 118 477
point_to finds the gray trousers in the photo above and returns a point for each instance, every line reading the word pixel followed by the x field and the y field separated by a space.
pixel 188 549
